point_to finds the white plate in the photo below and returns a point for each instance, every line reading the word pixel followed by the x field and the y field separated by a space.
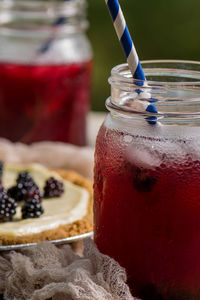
pixel 67 240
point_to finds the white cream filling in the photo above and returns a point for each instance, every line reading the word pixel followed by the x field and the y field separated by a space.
pixel 70 207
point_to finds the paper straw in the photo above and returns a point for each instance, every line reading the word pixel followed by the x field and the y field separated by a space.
pixel 129 50
pixel 125 39
pixel 61 20
pixel 45 47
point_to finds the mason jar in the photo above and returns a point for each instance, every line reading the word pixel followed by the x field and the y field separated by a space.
pixel 147 179
pixel 45 71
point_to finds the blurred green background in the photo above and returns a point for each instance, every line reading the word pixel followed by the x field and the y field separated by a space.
pixel 160 29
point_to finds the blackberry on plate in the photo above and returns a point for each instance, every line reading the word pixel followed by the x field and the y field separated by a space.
pixel 1 168
pixel 17 192
pixel 24 183
pixel 24 176
pixel 33 194
pixel 25 179
pixel 32 207
pixel 3 192
pixel 53 188
pixel 7 207
pixel 1 185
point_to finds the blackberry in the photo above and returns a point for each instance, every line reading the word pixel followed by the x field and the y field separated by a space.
pixel 1 168
pixel 17 192
pixel 26 180
pixel 143 181
pixel 1 185
pixel 24 183
pixel 32 207
pixel 33 194
pixel 23 176
pixel 7 207
pixel 53 188
pixel 3 192
pixel 1 173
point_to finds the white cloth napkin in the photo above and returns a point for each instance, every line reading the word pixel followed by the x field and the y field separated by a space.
pixel 47 272
pixel 50 154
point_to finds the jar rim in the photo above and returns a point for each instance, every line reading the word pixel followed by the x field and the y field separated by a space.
pixel 171 90
pixel 117 76
pixel 63 16
pixel 56 5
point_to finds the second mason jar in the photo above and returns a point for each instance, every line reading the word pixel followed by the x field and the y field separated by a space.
pixel 45 71
pixel 147 179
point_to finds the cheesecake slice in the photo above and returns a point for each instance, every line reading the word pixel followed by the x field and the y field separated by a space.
pixel 64 216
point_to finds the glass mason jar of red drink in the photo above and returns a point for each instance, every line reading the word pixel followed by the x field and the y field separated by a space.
pixel 45 71
pixel 147 179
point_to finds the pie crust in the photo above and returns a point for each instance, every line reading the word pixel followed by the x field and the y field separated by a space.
pixel 63 231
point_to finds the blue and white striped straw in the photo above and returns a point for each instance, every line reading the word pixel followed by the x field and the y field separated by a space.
pixel 61 20
pixel 45 47
pixel 129 49
pixel 125 39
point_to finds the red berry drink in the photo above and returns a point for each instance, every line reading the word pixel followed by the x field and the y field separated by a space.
pixel 44 102
pixel 147 202
pixel 45 71
pixel 147 208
